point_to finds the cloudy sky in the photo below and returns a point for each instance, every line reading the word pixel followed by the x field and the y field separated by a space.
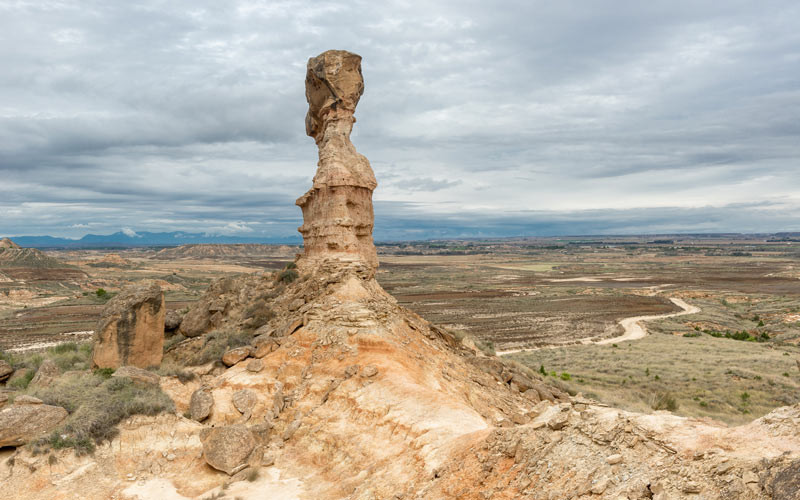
pixel 479 118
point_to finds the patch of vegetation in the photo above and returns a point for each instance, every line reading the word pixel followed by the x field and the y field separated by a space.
pixel 96 405
pixel 258 314
pixel 740 335
pixel 70 356
pixel 181 373
pixel 173 341
pixel 288 276
pixel 663 401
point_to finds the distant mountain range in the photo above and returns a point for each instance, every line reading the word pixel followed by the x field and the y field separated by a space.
pixel 143 239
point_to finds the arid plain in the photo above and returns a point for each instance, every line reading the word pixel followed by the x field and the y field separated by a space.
pixel 546 303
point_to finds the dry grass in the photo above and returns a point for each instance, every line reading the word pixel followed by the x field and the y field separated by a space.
pixel 697 376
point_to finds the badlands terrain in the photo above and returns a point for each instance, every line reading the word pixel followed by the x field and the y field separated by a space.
pixel 363 372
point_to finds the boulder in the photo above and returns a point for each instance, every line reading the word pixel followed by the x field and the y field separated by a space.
pixel 172 320
pixel 263 346
pixel 227 448
pixel 131 329
pixel 244 400
pixel 201 404
pixel 45 375
pixel 255 365
pixel 137 375
pixel 5 370
pixel 233 356
pixel 21 424
pixel 196 321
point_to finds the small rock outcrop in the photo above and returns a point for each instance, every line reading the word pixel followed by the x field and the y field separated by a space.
pixel 172 320
pixel 131 329
pixel 6 370
pixel 227 448
pixel 46 374
pixel 137 375
pixel 22 423
pixel 7 243
pixel 337 210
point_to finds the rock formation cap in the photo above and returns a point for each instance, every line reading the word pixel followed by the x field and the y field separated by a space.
pixel 334 84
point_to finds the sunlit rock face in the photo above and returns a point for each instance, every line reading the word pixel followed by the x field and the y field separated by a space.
pixel 337 210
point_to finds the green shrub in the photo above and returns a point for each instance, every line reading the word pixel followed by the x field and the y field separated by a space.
pixel 22 382
pixel 64 348
pixel 181 373
pixel 173 341
pixel 566 376
pixel 96 405
pixel 101 293
pixel 288 276
pixel 663 400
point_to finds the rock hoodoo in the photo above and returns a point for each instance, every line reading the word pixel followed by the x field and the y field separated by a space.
pixel 337 210
pixel 131 329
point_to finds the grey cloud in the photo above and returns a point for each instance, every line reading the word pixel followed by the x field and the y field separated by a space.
pixel 190 114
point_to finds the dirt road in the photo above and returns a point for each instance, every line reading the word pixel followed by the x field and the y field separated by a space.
pixel 633 328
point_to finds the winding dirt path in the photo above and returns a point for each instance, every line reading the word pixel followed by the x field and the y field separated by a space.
pixel 633 327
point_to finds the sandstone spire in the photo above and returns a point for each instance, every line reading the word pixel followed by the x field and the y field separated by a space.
pixel 337 210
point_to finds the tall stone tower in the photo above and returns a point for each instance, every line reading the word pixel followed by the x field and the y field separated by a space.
pixel 337 210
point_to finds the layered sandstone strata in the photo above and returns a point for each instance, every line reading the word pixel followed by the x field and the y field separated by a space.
pixel 337 210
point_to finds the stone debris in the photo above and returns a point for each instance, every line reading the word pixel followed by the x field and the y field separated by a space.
pixel 45 375
pixel 131 329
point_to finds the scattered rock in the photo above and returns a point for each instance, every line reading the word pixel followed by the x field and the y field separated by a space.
pixel 255 365
pixel 200 404
pixel 23 423
pixel 262 346
pixel 233 356
pixel 600 486
pixel 244 400
pixel 614 459
pixel 131 329
pixel 27 400
pixel 46 374
pixel 227 448
pixel 3 399
pixel 172 320
pixel 5 370
pixel 351 371
pixel 296 304
pixel 277 400
pixel 137 375
pixel 369 371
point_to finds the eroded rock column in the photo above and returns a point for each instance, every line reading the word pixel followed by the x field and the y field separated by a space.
pixel 337 210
